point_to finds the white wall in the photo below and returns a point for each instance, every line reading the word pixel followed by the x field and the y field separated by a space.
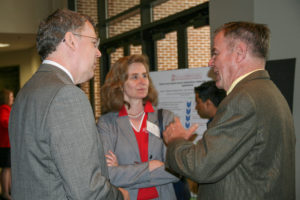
pixel 221 11
pixel 283 19
pixel 28 60
pixel 17 16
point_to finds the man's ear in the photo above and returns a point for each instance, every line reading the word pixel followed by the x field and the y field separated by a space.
pixel 241 50
pixel 70 40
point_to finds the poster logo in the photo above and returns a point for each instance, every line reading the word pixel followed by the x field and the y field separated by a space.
pixel 188 114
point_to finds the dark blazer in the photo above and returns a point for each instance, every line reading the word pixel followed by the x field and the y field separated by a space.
pixel 56 150
pixel 248 151
pixel 131 174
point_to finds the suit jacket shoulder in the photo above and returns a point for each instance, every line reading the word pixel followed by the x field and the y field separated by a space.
pixel 55 140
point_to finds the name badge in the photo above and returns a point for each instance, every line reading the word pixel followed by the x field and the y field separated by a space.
pixel 153 128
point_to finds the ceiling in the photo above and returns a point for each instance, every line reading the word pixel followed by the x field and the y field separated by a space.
pixel 17 41
pixel 20 19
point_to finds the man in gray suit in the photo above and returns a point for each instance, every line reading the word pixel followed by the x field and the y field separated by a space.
pixel 248 150
pixel 55 148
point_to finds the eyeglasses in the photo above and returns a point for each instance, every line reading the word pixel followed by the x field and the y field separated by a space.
pixel 96 42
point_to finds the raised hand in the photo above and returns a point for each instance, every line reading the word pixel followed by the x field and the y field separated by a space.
pixel 176 130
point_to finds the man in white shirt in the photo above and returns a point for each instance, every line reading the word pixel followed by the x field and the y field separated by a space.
pixel 56 152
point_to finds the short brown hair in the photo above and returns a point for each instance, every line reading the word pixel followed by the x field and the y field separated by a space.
pixel 112 90
pixel 257 36
pixel 4 96
pixel 52 30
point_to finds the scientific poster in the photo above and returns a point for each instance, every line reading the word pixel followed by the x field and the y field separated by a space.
pixel 176 93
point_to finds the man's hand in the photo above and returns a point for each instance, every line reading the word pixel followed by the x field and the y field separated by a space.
pixel 176 130
pixel 125 194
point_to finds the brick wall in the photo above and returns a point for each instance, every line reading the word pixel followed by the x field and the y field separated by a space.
pixel 135 49
pixel 167 52
pixel 198 49
pixel 122 25
pixel 117 6
pixel 198 38
pixel 89 7
pixel 116 55
pixel 173 6
pixel 198 46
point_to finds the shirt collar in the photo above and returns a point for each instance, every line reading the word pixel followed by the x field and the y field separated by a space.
pixel 123 111
pixel 236 81
pixel 147 108
pixel 50 62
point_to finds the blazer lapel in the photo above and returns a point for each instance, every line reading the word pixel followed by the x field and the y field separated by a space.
pixel 152 117
pixel 260 74
pixel 127 131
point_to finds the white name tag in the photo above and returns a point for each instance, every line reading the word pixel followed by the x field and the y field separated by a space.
pixel 153 128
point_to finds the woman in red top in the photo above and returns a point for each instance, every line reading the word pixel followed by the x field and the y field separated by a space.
pixel 6 101
pixel 130 131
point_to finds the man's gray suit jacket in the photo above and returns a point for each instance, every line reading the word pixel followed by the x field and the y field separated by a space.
pixel 132 174
pixel 248 151
pixel 56 151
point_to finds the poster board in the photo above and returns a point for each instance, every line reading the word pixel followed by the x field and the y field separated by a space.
pixel 176 93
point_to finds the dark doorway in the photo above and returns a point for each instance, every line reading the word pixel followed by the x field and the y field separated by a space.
pixel 282 72
pixel 10 78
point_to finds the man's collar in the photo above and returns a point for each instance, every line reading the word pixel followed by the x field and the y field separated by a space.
pixel 236 81
pixel 50 62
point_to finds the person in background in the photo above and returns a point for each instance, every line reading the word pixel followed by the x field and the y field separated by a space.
pixel 208 97
pixel 56 151
pixel 6 101
pixel 248 150
pixel 132 142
